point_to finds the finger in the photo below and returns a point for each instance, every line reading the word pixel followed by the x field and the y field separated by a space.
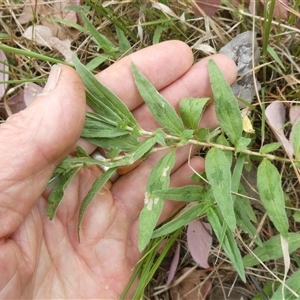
pixel 35 140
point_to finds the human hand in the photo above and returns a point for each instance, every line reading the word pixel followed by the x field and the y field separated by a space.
pixel 42 259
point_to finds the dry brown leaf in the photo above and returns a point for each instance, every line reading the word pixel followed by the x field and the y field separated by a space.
pixel 45 11
pixel 275 114
pixel 193 286
pixel 43 36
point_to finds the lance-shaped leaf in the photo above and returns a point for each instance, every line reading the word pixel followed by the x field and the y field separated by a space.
pixel 191 110
pixel 183 218
pixel 295 137
pixel 102 97
pixel 97 128
pixel 187 193
pixel 226 240
pixel 226 106
pixel 58 192
pixel 219 176
pixel 163 112
pixel 97 186
pixel 158 179
pixel 272 249
pixel 271 195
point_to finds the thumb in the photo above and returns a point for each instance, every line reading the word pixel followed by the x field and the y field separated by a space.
pixel 34 141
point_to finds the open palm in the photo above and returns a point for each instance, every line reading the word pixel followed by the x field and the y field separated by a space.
pixel 42 259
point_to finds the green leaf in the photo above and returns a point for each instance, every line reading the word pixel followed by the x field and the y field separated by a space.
pixel 188 214
pixel 242 144
pixel 226 240
pixel 191 110
pixel 221 140
pixel 296 140
pixel 270 148
pixel 293 284
pixel 272 249
pixel 95 127
pixel 124 44
pixel 158 179
pixel 97 186
pixel 101 99
pixel 58 192
pixel 157 33
pixel 219 176
pixel 272 196
pixel 163 112
pixel 241 208
pixel 141 150
pixel 273 53
pixel 187 193
pixel 186 136
pixel 226 106
pixel 126 143
pixel 201 134
pixel 96 61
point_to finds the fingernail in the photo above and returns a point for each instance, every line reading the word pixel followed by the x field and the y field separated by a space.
pixel 53 79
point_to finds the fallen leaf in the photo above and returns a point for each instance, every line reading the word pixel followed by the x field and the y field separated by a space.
pixel 30 8
pixel 275 114
pixel 45 11
pixel 247 125
pixel 199 240
pixel 240 50
pixel 280 12
pixel 43 36
pixel 62 12
pixel 208 7
pixel 294 113
pixel 193 286
pixel 174 264
pixel 15 104
pixel 31 90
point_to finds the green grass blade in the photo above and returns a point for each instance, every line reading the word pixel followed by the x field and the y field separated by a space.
pixel 28 53
pixel 182 219
pixel 296 140
pixel 102 41
pixel 226 240
pixel 163 112
pixel 219 176
pixel 271 194
pixel 227 110
pixel 292 283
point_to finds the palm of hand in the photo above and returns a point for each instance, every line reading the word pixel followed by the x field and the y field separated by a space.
pixel 40 258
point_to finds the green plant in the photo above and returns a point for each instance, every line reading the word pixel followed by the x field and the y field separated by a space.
pixel 220 197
